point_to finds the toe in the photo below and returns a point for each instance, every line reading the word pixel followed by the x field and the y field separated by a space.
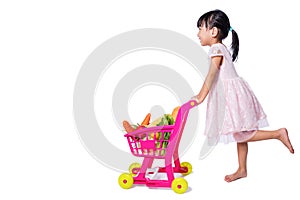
pixel 227 178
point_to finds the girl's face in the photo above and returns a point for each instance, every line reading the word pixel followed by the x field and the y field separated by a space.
pixel 207 36
pixel 204 35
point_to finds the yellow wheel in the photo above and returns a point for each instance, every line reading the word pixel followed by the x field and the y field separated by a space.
pixel 125 181
pixel 189 167
pixel 179 185
pixel 132 167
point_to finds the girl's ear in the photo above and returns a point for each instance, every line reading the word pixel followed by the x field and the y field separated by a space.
pixel 214 32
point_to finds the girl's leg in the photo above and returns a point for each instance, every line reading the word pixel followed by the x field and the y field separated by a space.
pixel 242 149
pixel 280 134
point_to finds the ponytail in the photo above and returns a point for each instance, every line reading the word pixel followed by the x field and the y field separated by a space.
pixel 234 45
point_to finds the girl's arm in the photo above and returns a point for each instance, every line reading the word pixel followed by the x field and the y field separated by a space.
pixel 213 69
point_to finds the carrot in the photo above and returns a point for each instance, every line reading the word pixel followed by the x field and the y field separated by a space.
pixel 146 120
pixel 128 127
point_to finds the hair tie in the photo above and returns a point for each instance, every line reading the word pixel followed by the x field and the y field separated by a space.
pixel 230 29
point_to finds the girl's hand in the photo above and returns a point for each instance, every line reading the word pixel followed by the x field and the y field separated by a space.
pixel 196 98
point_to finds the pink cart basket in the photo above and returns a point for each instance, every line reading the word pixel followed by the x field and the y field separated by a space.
pixel 159 142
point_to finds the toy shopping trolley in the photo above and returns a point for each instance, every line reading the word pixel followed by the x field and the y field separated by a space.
pixel 159 142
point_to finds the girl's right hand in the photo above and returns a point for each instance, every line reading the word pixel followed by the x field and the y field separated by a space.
pixel 196 99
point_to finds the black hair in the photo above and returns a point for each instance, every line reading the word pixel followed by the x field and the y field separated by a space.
pixel 218 19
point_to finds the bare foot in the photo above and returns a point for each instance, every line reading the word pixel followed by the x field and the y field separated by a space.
pixel 237 175
pixel 284 138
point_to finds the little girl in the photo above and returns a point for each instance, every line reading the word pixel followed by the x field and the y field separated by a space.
pixel 233 112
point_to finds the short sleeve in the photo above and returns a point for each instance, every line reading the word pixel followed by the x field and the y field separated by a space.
pixel 215 50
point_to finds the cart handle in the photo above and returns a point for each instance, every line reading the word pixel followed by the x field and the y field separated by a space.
pixel 189 105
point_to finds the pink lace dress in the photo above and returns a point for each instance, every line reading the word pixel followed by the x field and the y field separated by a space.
pixel 233 111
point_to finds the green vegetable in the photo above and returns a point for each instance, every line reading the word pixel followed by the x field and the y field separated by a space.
pixel 170 119
pixel 157 144
pixel 164 144
pixel 167 135
pixel 167 119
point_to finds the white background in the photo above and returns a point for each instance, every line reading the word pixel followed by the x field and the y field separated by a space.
pixel 42 48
